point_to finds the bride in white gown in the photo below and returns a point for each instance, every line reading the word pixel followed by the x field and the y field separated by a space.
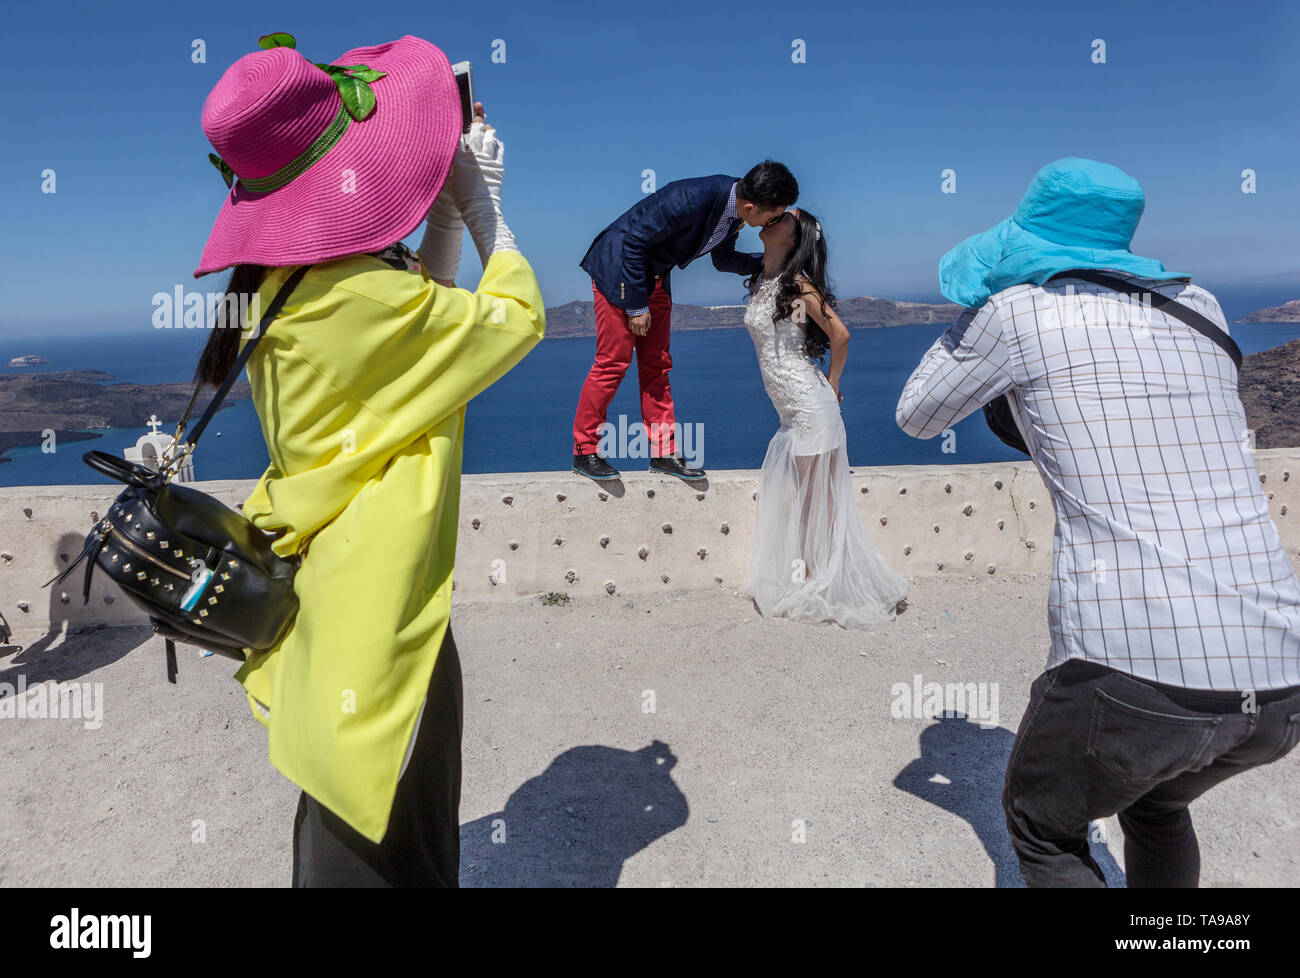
pixel 812 558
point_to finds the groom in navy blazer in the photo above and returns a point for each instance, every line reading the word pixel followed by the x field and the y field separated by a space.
pixel 629 264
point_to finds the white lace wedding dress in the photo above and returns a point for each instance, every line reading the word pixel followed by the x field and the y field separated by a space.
pixel 812 558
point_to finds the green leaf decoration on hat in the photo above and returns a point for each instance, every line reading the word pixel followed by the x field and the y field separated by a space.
pixel 223 168
pixel 277 40
pixel 356 95
pixel 352 81
pixel 354 89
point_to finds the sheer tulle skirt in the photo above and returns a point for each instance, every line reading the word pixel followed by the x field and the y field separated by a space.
pixel 812 558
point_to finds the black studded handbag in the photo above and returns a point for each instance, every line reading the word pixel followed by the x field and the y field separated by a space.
pixel 202 572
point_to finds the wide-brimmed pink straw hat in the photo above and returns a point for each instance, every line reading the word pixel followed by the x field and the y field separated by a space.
pixel 328 160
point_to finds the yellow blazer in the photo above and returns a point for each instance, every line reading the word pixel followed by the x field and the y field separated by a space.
pixel 361 386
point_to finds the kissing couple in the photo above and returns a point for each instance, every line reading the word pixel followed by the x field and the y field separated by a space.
pixel 811 556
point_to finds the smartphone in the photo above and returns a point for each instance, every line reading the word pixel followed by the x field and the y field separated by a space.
pixel 465 82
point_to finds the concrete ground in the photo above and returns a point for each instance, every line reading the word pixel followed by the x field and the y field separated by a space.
pixel 675 740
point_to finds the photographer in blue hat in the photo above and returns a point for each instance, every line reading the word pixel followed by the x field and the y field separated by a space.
pixel 1174 613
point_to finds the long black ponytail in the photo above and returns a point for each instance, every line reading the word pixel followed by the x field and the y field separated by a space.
pixel 222 349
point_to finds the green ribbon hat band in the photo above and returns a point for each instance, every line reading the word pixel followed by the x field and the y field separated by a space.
pixel 357 101
pixel 322 145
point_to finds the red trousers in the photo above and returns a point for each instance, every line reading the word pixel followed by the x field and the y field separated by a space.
pixel 614 346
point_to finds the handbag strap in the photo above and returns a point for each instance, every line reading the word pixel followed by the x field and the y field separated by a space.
pixel 276 305
pixel 1168 306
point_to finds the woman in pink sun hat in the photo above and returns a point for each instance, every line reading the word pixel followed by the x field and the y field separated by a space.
pixel 361 385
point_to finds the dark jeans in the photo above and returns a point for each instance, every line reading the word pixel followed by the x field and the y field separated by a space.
pixel 421 846
pixel 1094 742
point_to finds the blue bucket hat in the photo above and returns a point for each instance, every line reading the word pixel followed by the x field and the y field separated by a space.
pixel 1076 214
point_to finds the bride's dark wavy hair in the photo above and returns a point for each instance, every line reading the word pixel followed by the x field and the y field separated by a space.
pixel 807 257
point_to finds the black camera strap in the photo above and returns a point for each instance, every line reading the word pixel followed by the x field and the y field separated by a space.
pixel 1170 307
pixel 998 414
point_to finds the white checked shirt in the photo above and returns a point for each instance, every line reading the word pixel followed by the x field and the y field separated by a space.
pixel 1167 565
pixel 724 225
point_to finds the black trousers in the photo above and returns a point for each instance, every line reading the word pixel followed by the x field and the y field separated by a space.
pixel 1095 742
pixel 421 846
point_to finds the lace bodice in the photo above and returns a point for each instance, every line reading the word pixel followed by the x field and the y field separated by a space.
pixel 799 391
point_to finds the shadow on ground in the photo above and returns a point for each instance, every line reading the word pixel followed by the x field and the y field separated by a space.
pixel 577 822
pixel 81 651
pixel 961 770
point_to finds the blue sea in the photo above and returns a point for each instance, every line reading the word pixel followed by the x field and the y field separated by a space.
pixel 524 423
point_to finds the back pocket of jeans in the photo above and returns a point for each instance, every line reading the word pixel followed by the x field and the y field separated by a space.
pixel 1290 737
pixel 1137 745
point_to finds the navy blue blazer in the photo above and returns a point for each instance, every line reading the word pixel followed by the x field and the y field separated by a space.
pixel 663 229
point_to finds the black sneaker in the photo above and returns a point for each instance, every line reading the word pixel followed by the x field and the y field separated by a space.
pixel 594 467
pixel 675 465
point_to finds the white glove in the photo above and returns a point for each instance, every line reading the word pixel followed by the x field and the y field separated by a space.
pixel 475 183
pixel 444 231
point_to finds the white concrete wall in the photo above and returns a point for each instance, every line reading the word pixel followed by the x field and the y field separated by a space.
pixel 530 533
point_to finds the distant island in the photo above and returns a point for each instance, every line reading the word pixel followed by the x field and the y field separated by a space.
pixel 1287 312
pixel 69 400
pixel 863 312
pixel 1270 391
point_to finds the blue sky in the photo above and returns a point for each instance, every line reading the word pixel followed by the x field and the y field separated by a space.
pixel 591 95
